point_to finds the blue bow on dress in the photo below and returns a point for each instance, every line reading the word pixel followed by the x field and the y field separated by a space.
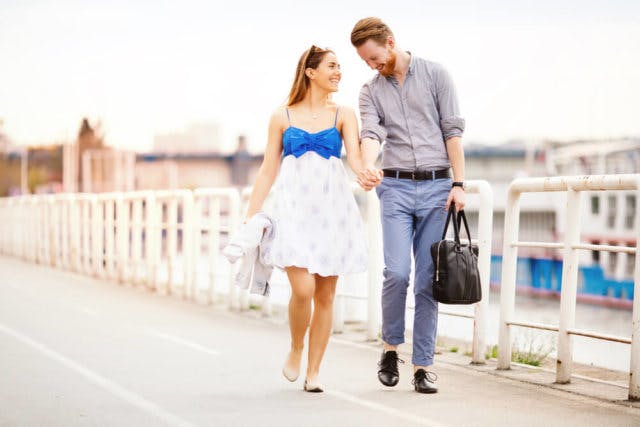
pixel 326 143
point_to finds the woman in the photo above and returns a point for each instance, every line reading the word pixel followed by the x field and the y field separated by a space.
pixel 319 231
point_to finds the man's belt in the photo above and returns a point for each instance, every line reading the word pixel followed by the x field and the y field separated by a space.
pixel 417 175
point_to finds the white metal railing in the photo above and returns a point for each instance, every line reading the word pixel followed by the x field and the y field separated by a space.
pixel 573 186
pixel 118 236
pixel 139 237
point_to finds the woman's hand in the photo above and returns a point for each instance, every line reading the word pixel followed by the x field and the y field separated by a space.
pixel 369 178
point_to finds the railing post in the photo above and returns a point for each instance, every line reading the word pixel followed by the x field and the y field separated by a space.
pixel 234 224
pixel 122 237
pixel 75 230
pixel 54 222
pixel 36 206
pixel 97 236
pixel 151 242
pixel 84 233
pixel 157 228
pixel 481 309
pixel 187 242
pixel 196 226
pixel 508 280
pixel 109 231
pixel 634 372
pixel 136 238
pixel 172 241
pixel 24 227
pixel 374 267
pixel 65 205
pixel 214 244
pixel 569 287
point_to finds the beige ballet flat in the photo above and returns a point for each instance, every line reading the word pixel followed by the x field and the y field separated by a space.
pixel 290 374
pixel 312 387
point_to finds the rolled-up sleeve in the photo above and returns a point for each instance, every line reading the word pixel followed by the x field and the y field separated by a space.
pixel 370 117
pixel 451 122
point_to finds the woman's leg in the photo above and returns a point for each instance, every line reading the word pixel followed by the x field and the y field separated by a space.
pixel 303 286
pixel 321 322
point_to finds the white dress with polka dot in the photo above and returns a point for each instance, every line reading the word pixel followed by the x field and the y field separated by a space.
pixel 318 223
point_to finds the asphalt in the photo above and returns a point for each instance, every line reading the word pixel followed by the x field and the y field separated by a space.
pixel 85 352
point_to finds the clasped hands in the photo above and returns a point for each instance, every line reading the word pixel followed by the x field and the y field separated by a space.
pixel 369 178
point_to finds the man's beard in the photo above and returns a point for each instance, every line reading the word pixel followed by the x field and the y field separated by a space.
pixel 390 65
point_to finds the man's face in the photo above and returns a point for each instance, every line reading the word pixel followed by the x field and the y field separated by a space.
pixel 381 58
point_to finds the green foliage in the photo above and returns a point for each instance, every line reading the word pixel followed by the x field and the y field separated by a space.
pixel 492 352
pixel 531 353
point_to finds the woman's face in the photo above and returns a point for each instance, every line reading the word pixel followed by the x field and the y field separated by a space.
pixel 328 74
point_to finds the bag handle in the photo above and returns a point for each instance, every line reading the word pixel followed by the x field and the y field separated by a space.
pixel 446 224
pixel 463 217
pixel 460 219
pixel 456 224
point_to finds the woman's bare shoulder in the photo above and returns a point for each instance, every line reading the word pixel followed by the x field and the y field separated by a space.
pixel 279 117
pixel 345 112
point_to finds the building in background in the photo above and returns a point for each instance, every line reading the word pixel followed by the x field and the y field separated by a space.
pixel 610 217
pixel 160 170
pixel 198 138
pixel 607 218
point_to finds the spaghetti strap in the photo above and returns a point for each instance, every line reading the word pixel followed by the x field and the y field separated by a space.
pixel 335 122
pixel 288 118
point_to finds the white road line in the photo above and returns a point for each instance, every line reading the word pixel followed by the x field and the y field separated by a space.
pixel 108 385
pixel 178 340
pixel 373 405
pixel 384 409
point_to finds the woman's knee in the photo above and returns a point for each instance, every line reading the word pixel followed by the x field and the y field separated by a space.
pixel 324 298
pixel 302 294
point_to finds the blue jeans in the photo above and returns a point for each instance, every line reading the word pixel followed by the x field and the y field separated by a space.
pixel 412 215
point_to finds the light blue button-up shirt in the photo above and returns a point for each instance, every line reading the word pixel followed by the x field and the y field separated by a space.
pixel 414 120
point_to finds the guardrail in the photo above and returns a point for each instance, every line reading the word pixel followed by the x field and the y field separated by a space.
pixel 573 186
pixel 156 239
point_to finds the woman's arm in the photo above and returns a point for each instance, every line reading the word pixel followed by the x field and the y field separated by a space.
pixel 270 164
pixel 351 138
pixel 368 177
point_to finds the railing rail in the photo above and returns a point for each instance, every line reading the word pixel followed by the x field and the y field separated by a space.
pixel 573 186
pixel 155 239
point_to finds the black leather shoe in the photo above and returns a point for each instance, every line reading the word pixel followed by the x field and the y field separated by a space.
pixel 388 373
pixel 423 381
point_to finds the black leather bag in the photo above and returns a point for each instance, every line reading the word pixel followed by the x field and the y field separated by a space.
pixel 456 279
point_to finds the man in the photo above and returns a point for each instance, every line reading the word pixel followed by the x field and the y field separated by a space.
pixel 411 106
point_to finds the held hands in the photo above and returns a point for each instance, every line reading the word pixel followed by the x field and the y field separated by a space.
pixel 456 195
pixel 369 178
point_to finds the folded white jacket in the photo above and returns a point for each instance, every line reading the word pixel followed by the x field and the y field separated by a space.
pixel 249 244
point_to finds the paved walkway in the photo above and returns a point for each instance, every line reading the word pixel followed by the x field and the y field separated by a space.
pixel 79 351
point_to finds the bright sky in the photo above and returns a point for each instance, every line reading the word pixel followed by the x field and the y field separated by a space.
pixel 523 69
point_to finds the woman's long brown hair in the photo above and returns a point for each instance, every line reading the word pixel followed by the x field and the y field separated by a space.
pixel 311 58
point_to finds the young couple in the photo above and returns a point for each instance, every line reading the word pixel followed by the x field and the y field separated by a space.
pixel 411 106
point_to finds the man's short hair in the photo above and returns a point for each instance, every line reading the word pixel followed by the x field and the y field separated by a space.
pixel 370 28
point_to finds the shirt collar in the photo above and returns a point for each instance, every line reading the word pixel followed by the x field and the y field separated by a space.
pixel 411 64
pixel 409 71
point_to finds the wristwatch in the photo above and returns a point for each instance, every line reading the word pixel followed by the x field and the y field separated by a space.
pixel 457 184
